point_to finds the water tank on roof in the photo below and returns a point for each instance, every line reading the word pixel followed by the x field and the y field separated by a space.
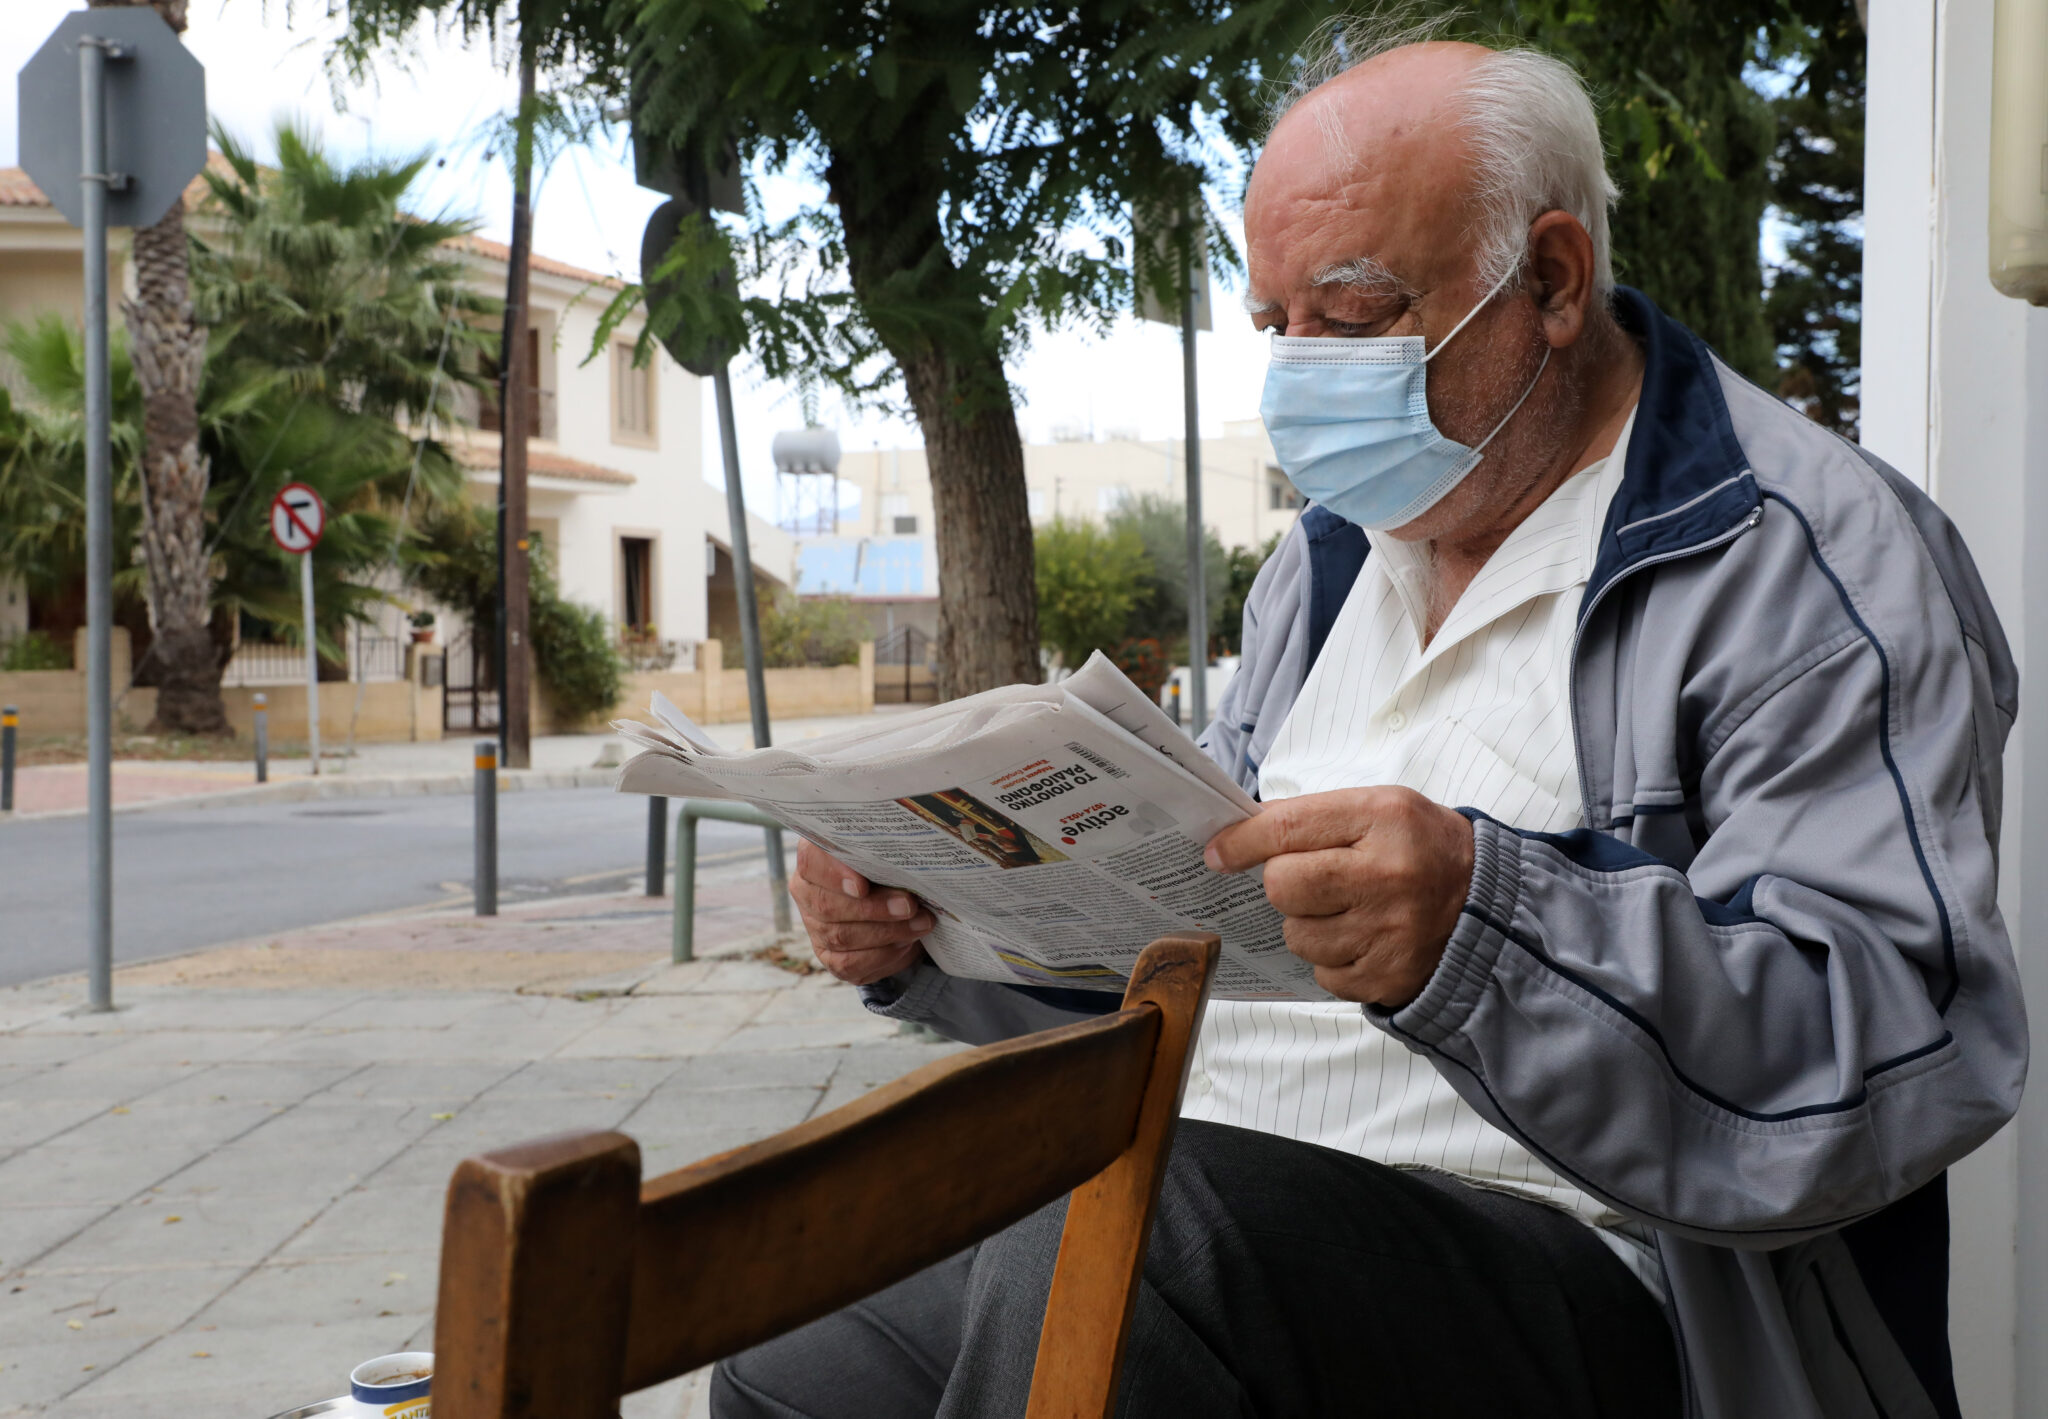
pixel 806 451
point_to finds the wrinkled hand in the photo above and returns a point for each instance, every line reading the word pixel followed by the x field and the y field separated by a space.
pixel 1371 881
pixel 859 935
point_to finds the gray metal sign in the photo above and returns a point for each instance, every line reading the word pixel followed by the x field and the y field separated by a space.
pixel 155 115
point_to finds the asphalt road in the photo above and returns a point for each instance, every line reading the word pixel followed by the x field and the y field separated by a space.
pixel 185 878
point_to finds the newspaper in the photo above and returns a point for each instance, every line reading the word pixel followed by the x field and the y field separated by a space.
pixel 1053 830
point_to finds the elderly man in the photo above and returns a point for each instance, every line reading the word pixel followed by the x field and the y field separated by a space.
pixel 1629 749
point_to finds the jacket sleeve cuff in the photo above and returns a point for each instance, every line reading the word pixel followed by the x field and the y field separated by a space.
pixel 1461 977
pixel 907 995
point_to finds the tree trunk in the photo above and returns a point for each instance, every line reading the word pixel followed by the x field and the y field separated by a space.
pixel 169 351
pixel 988 606
pixel 988 584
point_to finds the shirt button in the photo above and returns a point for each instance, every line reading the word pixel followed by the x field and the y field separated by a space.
pixel 1200 1083
pixel 1397 721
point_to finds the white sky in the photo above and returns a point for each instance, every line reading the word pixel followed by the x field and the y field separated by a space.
pixel 264 62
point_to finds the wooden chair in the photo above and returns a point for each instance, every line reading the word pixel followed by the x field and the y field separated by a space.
pixel 565 1282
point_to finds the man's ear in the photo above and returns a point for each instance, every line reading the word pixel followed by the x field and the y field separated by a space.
pixel 1561 275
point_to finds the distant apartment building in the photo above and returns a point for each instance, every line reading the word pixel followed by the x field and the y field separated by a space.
pixel 875 542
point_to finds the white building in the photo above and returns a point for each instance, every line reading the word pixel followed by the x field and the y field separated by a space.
pixel 1955 394
pixel 874 542
pixel 615 477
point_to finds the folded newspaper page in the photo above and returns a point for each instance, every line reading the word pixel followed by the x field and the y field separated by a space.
pixel 1054 830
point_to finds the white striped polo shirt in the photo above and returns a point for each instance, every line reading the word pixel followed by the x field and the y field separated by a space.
pixel 1480 717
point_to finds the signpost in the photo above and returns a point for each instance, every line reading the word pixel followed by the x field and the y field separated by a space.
pixel 694 189
pixel 297 518
pixel 113 125
pixel 1192 265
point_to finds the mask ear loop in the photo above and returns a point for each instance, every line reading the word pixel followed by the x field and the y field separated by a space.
pixel 1484 301
pixel 1541 365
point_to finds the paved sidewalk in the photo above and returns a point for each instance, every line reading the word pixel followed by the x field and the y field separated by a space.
pixel 218 1198
pixel 374 770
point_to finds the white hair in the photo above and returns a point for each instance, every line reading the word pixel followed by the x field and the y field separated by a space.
pixel 1535 140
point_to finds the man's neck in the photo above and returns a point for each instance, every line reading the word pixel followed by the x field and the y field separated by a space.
pixel 1615 381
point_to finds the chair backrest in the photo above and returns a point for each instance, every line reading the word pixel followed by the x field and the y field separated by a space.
pixel 565 1283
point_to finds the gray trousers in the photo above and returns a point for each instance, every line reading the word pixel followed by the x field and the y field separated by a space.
pixel 1282 1279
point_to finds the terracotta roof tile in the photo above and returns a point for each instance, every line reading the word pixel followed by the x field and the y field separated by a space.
pixel 540 464
pixel 16 190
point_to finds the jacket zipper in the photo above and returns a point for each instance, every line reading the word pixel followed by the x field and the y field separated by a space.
pixel 1756 515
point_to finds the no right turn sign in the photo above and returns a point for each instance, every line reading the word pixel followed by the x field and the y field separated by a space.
pixel 297 518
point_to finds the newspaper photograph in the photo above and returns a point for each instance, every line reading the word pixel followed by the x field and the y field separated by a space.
pixel 1053 830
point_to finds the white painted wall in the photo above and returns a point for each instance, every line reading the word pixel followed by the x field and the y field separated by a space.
pixel 1955 393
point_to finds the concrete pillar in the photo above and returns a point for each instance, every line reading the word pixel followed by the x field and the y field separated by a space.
pixel 867 677
pixel 1955 393
pixel 711 661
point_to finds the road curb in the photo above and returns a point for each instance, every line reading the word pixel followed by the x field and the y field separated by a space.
pixel 323 789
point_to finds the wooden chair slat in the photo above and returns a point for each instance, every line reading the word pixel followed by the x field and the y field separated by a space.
pixel 1109 1217
pixel 838 1207
pixel 527 1229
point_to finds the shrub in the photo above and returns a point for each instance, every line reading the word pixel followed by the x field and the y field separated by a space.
pixel 34 650
pixel 1089 581
pixel 573 650
pixel 815 630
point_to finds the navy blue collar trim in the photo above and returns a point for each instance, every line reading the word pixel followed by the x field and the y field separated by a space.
pixel 1687 479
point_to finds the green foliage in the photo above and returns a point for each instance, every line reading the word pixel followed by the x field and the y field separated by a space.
pixel 1815 300
pixel 34 650
pixel 323 279
pixel 572 648
pixel 980 164
pixel 1161 612
pixel 1090 580
pixel 328 308
pixel 1241 568
pixel 456 564
pixel 812 630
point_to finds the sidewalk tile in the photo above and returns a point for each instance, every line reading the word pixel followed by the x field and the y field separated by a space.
pixel 671 1112
pixel 624 1077
pixel 28 1232
pixel 375 1221
pixel 236 1082
pixel 872 1066
pixel 813 1067
pixel 152 1125
pixel 211 1230
pixel 187 1047
pixel 805 1034
pixel 262 1368
pixel 409 1081
pixel 87 1079
pixel 27 1122
pixel 84 1176
pixel 325 1292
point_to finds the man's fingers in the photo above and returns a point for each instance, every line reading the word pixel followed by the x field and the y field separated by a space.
pixel 866 935
pixel 1305 824
pixel 834 879
pixel 822 902
pixel 867 967
pixel 1321 883
pixel 814 864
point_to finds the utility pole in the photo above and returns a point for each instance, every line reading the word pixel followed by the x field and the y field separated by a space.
pixel 1198 583
pixel 516 415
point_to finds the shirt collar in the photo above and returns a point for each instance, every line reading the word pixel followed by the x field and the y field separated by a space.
pixel 1551 550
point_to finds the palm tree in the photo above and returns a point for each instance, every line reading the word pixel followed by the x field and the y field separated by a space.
pixel 169 349
pixel 335 325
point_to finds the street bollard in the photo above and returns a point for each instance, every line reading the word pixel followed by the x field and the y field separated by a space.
pixel 8 718
pixel 657 843
pixel 262 738
pixel 486 827
pixel 1174 695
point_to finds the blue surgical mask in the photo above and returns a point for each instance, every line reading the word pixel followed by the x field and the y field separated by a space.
pixel 1350 422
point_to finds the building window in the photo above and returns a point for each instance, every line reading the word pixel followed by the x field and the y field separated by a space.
pixel 1111 499
pixel 636 563
pixel 1280 494
pixel 1037 496
pixel 632 396
pixel 896 510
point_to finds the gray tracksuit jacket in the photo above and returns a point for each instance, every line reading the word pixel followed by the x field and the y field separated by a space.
pixel 1764 997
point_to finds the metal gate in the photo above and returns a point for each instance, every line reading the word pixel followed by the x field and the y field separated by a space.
pixel 469 692
pixel 906 668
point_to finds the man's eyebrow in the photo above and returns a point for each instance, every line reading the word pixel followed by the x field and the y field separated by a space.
pixel 1255 306
pixel 1365 276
